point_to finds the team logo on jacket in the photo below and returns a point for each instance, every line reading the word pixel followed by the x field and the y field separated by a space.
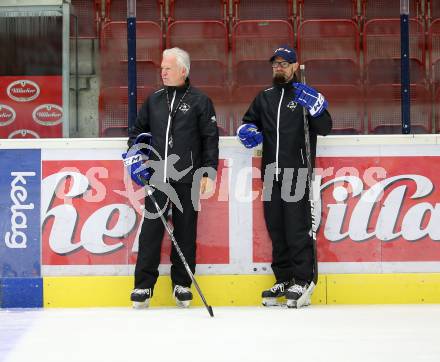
pixel 292 105
pixel 184 107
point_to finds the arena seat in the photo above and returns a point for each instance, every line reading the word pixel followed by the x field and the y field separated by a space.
pixel 113 98
pixel 146 10
pixel 262 10
pixel 434 9
pixel 113 109
pixel 332 71
pixel 114 53
pixel 207 43
pixel 384 109
pixel 385 9
pixel 327 9
pixel 346 106
pixel 329 49
pixel 198 10
pixel 382 51
pixel 253 42
pixel 382 39
pixel 148 41
pixel 434 52
pixel 381 71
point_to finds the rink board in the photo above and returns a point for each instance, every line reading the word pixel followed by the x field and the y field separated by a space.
pixel 245 290
pixel 71 219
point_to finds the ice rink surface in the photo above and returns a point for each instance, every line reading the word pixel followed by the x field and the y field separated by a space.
pixel 317 333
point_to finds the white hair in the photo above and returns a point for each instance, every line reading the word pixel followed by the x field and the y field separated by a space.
pixel 182 58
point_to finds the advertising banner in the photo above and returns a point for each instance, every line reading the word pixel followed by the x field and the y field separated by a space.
pixel 20 213
pixel 371 209
pixel 376 212
pixel 31 107
pixel 92 214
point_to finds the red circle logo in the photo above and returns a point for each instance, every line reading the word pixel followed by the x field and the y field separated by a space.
pixel 7 115
pixel 23 133
pixel 48 114
pixel 23 90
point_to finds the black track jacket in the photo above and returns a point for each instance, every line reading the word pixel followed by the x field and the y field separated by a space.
pixel 193 129
pixel 281 121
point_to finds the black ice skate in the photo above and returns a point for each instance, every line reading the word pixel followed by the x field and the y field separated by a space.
pixel 270 295
pixel 182 295
pixel 298 294
pixel 141 298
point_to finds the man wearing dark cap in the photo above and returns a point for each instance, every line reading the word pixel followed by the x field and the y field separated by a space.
pixel 275 118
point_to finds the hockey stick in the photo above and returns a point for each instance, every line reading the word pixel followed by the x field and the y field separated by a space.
pixel 310 178
pixel 182 257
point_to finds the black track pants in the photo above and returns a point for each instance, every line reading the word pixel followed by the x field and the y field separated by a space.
pixel 150 240
pixel 288 224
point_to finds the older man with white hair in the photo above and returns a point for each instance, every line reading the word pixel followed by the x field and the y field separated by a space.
pixel 181 123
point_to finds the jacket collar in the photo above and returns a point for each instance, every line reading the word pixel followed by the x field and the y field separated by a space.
pixel 284 86
pixel 180 89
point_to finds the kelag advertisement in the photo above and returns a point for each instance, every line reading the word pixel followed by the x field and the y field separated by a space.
pixel 20 213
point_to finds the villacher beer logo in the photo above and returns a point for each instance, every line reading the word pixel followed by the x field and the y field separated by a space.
pixel 23 90
pixel 48 114
pixel 23 133
pixel 7 115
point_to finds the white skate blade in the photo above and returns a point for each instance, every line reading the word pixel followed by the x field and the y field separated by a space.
pixel 303 301
pixel 141 305
pixel 291 303
pixel 273 302
pixel 183 303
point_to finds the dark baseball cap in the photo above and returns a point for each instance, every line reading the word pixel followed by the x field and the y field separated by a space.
pixel 286 52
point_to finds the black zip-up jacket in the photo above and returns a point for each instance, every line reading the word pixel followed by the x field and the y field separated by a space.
pixel 193 129
pixel 281 121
